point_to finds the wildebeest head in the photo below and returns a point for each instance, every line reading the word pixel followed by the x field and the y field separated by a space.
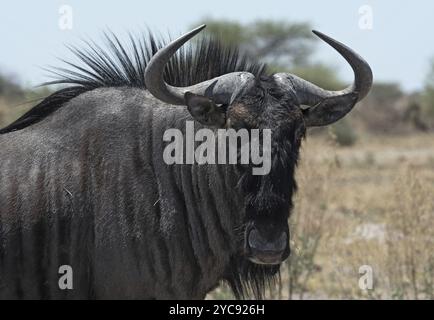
pixel 240 100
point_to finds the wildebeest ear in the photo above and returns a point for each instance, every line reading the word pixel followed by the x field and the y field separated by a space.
pixel 204 110
pixel 329 110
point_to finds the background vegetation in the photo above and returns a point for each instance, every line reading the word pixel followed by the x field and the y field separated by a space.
pixel 366 184
pixel 16 99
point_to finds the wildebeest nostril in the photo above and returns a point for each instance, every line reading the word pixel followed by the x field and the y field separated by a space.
pixel 258 242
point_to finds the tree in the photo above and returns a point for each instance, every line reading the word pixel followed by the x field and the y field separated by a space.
pixel 320 74
pixel 279 43
pixel 428 92
pixel 10 89
pixel 385 93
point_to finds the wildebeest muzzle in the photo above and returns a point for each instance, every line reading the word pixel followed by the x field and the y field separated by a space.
pixel 267 242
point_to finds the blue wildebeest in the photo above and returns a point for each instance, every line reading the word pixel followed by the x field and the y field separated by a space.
pixel 83 182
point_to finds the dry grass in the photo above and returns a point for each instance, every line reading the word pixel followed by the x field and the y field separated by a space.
pixel 370 204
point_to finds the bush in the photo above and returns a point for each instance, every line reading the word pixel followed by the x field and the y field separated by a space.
pixel 15 99
pixel 343 133
pixel 428 93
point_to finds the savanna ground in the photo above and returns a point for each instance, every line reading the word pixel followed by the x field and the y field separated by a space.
pixel 371 204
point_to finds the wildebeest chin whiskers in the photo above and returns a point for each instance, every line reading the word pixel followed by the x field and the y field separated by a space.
pixel 249 279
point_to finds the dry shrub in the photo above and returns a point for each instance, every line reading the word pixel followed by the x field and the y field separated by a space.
pixel 410 242
pixel 308 227
pixel 391 232
pixel 347 216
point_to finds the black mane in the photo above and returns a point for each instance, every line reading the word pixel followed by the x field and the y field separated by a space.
pixel 123 65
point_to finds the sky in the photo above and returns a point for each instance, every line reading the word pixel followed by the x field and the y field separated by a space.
pixel 393 37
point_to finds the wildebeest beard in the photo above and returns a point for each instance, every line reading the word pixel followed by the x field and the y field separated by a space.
pixel 267 197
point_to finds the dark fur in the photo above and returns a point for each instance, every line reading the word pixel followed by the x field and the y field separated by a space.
pixel 82 182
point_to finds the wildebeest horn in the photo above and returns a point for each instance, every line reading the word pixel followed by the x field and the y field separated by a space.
pixel 220 89
pixel 327 106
